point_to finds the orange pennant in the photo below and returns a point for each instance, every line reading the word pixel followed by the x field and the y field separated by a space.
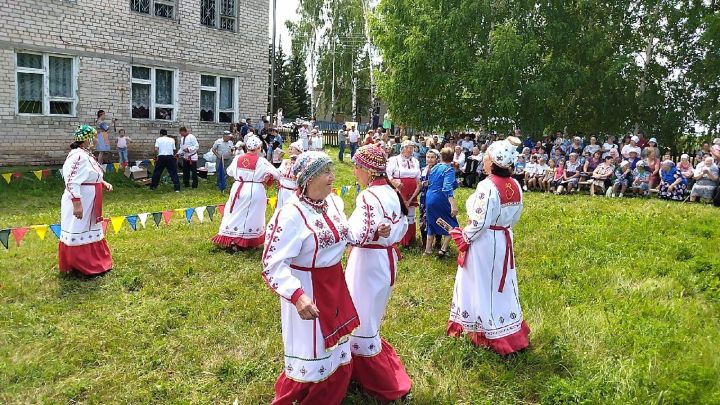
pixel 19 234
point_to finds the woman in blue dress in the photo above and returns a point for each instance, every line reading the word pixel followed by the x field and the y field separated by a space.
pixel 432 157
pixel 102 144
pixel 440 201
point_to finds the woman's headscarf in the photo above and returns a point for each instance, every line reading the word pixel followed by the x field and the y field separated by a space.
pixel 84 133
pixel 308 165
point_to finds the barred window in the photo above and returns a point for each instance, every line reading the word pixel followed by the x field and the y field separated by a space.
pixel 46 84
pixel 220 14
pixel 153 93
pixel 217 99
pixel 159 8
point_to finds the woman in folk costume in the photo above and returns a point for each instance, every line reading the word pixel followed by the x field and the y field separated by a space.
pixel 301 260
pixel 82 241
pixel 243 222
pixel 404 173
pixel 371 270
pixel 287 184
pixel 486 302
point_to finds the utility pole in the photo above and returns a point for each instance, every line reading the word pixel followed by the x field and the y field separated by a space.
pixel 272 61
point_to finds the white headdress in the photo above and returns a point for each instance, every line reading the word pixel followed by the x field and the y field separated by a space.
pixel 504 153
pixel 253 142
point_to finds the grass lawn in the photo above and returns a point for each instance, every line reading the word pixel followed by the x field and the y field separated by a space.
pixel 622 297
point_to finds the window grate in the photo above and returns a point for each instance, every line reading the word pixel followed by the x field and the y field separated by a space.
pixel 140 6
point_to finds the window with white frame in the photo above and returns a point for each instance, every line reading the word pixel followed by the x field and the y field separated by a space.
pixel 159 8
pixel 46 84
pixel 217 99
pixel 153 93
pixel 220 14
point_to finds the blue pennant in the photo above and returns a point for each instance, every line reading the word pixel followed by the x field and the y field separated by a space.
pixel 132 220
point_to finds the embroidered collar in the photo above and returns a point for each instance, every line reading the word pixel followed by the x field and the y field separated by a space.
pixel 380 181
pixel 319 206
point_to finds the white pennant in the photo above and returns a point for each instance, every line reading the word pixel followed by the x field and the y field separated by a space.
pixel 143 218
pixel 200 211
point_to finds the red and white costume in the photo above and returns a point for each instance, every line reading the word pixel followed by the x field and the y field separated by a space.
pixel 486 302
pixel 243 222
pixel 407 170
pixel 302 255
pixel 286 185
pixel 82 241
pixel 371 270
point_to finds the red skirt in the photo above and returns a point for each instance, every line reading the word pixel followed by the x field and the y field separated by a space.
pixel 228 241
pixel 330 391
pixel 91 259
pixel 503 346
pixel 409 185
pixel 383 375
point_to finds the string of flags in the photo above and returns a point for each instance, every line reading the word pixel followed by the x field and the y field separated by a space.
pixel 43 174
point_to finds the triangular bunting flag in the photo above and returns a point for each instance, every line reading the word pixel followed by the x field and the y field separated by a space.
pixel 45 173
pixel 41 231
pixel 200 213
pixel 180 212
pixel 105 224
pixel 152 162
pixel 4 236
pixel 143 218
pixel 132 220
pixel 116 166
pixel 343 190
pixel 221 210
pixel 17 175
pixel 55 228
pixel 38 174
pixel 337 191
pixel 117 223
pixel 167 215
pixel 210 211
pixel 357 189
pixel 7 177
pixel 157 217
pixel 272 201
pixel 19 234
pixel 189 213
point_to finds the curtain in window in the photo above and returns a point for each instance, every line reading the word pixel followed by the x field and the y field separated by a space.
pixel 207 105
pixel 30 93
pixel 163 87
pixel 60 77
pixel 140 100
pixel 226 93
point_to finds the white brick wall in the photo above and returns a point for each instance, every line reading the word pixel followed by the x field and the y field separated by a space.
pixel 108 38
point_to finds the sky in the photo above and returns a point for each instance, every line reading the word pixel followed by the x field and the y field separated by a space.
pixel 286 11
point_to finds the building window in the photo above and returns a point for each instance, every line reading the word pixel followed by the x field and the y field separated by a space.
pixel 46 84
pixel 160 8
pixel 220 14
pixel 217 99
pixel 153 93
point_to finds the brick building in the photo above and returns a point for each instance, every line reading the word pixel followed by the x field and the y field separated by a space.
pixel 150 64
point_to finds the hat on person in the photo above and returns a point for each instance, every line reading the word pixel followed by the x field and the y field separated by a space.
pixel 305 123
pixel 253 142
pixel 298 145
pixel 716 141
pixel 635 138
pixel 308 165
pixel 634 150
pixel 641 164
pixel 371 158
pixel 504 153
pixel 685 156
pixel 227 133
pixel 624 163
pixel 653 140
pixel 239 144
pixel 84 133
pixel 668 163
pixel 242 121
pixel 407 142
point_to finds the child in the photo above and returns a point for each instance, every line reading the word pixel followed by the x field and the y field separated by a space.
pixel 622 176
pixel 277 154
pixel 122 145
pixel 558 176
pixel 548 176
pixel 540 173
pixel 530 172
pixel 519 174
pixel 641 179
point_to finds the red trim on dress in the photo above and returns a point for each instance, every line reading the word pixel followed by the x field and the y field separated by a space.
pixel 391 259
pixel 90 259
pixel 317 243
pixel 332 390
pixel 503 346
pixel 228 241
pixel 383 375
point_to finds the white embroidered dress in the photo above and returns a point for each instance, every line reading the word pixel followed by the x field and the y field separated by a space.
pixel 286 185
pixel 486 301
pixel 300 236
pixel 408 171
pixel 80 172
pixel 243 222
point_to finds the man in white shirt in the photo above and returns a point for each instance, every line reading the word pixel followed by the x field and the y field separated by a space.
pixel 223 151
pixel 165 150
pixel 304 135
pixel 188 155
pixel 353 138
pixel 467 143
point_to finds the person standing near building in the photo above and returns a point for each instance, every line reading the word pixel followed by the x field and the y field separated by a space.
pixel 165 151
pixel 244 129
pixel 188 155
pixel 82 245
pixel 122 145
pixel 342 137
pixel 223 151
pixel 353 138
pixel 304 135
pixel 243 223
pixel 103 138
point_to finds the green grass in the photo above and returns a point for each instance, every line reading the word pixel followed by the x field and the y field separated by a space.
pixel 622 297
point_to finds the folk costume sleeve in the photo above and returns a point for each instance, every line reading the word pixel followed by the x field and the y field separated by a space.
pixel 482 209
pixel 75 172
pixel 362 224
pixel 283 244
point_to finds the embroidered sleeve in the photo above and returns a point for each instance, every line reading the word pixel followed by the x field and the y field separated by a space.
pixel 75 172
pixel 482 209
pixel 281 246
pixel 390 168
pixel 362 223
pixel 192 145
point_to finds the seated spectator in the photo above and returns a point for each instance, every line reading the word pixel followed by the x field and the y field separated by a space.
pixel 623 176
pixel 536 150
pixel 519 173
pixel 576 146
pixel 542 154
pixel 472 168
pixel 640 179
pixel 633 158
pixel 608 146
pixel 706 180
pixel 591 164
pixel 458 161
pixel 685 167
pixel 602 175
pixel 673 185
pixel 558 153
pixel 548 177
pixel 467 144
pixel 652 166
pixel 651 146
pixel 530 171
pixel 526 153
pixel 558 176
pixel 704 150
pixel 630 147
pixel 715 150
pixel 572 175
pixel 592 147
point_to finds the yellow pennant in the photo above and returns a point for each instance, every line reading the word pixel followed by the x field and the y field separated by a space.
pixel 272 201
pixel 116 166
pixel 7 177
pixel 41 231
pixel 38 174
pixel 338 191
pixel 117 223
pixel 180 212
